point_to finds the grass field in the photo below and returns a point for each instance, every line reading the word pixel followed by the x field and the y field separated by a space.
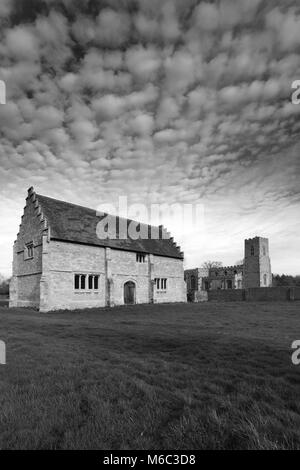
pixel 195 376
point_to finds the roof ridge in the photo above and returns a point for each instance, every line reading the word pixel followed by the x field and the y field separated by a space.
pixel 104 213
pixel 66 202
pixel 76 223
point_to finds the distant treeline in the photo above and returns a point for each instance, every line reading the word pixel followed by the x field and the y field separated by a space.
pixel 4 287
pixel 285 280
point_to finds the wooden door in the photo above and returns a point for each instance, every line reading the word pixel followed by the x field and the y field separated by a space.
pixel 129 293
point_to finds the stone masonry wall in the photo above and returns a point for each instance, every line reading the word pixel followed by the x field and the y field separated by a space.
pixel 251 264
pixel 62 260
pixel 257 265
pixel 226 295
pixel 124 267
pixel 255 294
pixel 25 283
pixel 172 270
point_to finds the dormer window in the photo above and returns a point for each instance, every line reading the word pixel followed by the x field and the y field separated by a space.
pixel 29 250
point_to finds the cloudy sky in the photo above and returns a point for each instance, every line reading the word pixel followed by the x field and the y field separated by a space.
pixel 170 101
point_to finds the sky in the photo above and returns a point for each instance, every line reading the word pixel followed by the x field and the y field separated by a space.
pixel 162 102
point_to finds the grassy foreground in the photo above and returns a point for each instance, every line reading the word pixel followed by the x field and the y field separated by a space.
pixel 195 376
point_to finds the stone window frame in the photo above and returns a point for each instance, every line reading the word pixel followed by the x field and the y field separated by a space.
pixel 140 257
pixel 193 282
pixel 161 284
pixel 29 251
pixel 84 282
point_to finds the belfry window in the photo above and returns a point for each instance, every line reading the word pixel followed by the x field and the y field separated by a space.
pixel 29 248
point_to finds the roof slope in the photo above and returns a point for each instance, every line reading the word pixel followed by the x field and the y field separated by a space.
pixel 73 223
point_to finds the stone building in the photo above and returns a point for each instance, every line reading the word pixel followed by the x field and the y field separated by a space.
pixel 254 272
pixel 60 261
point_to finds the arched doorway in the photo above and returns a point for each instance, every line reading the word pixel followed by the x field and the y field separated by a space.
pixel 129 293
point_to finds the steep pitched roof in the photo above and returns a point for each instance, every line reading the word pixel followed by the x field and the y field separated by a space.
pixel 73 223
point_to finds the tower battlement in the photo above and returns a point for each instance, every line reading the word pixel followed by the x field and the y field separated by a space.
pixel 257 265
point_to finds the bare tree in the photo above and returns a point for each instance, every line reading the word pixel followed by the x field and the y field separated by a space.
pixel 212 264
pixel 4 283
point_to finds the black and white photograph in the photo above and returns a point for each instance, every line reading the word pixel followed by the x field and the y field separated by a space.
pixel 150 229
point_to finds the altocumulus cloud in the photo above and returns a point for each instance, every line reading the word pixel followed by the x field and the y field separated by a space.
pixel 162 101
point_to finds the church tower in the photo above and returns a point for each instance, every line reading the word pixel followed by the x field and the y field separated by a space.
pixel 257 265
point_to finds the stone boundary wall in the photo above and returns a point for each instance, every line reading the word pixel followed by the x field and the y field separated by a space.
pixel 4 299
pixel 226 295
pixel 296 293
pixel 255 294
